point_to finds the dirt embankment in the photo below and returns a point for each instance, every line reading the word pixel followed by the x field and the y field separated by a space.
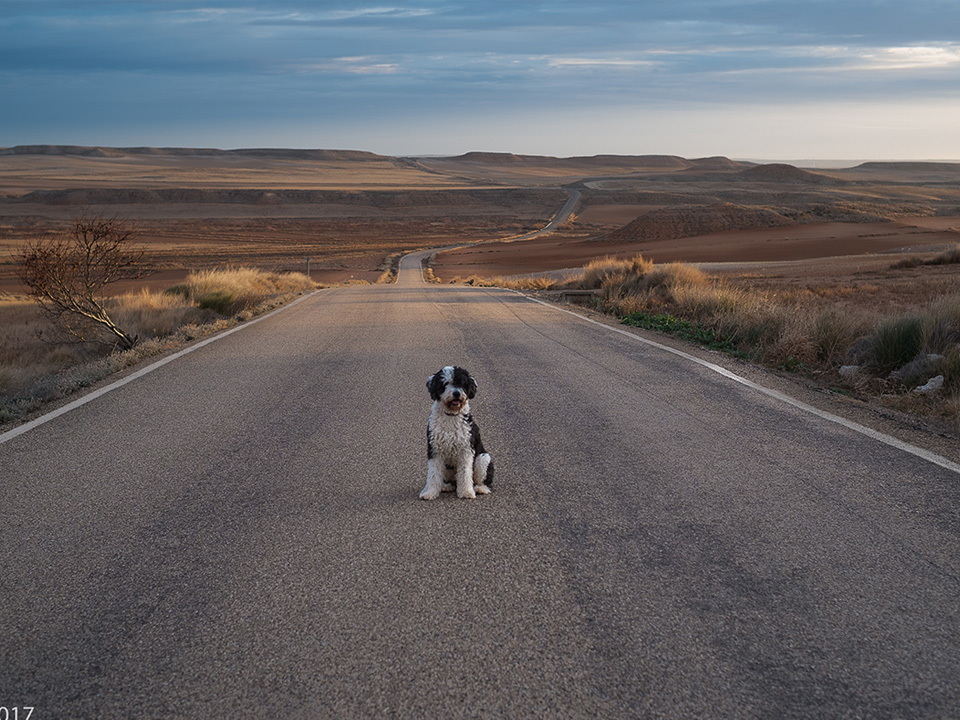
pixel 688 221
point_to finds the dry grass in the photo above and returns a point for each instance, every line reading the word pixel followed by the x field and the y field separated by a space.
pixel 949 257
pixel 25 355
pixel 36 366
pixel 235 290
pixel 540 282
pixel 152 314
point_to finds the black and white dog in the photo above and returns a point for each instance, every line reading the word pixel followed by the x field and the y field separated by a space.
pixel 455 455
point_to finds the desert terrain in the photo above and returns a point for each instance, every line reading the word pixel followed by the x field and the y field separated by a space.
pixel 350 212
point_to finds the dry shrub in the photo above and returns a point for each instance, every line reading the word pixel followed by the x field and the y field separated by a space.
pixel 907 263
pixel 792 343
pixel 760 329
pixel 535 282
pixel 896 342
pixel 542 282
pixel 599 271
pixel 609 271
pixel 941 324
pixel 950 257
pixel 231 291
pixel 151 315
pixel 833 332
pixel 639 284
pixel 705 301
pixel 949 367
pixel 674 275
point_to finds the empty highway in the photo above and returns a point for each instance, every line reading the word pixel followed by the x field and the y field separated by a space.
pixel 237 534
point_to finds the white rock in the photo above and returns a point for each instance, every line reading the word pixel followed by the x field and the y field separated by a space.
pixel 932 386
pixel 848 371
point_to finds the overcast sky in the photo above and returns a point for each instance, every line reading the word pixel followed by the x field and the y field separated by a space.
pixel 758 79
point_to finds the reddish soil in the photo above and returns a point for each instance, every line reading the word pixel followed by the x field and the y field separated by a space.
pixel 864 241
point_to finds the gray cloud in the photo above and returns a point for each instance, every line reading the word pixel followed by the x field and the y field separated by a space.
pixel 157 64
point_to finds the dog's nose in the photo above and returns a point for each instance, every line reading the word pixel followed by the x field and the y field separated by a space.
pixel 456 394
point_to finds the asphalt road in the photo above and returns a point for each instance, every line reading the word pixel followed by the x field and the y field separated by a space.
pixel 237 534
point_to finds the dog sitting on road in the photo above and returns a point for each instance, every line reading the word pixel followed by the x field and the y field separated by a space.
pixel 456 458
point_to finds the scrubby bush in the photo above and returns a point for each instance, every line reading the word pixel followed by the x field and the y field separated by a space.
pixel 230 291
pixel 608 271
pixel 832 333
pixel 895 343
pixel 151 314
pixel 941 324
pixel 950 257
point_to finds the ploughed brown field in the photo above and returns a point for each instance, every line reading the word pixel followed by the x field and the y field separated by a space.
pixel 349 212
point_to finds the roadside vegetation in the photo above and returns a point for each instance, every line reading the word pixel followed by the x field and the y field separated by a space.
pixel 38 364
pixel 909 360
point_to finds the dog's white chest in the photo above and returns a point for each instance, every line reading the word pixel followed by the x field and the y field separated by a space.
pixel 449 434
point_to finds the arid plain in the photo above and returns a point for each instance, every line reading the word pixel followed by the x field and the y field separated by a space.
pixel 864 243
pixel 837 231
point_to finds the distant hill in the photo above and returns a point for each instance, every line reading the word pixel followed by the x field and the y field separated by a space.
pixel 111 152
pixel 783 173
pixel 666 162
pixel 717 163
pixel 692 220
pixel 491 158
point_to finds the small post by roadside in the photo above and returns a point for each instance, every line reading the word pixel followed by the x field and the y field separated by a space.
pixel 308 267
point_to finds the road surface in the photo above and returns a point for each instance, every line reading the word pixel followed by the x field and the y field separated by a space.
pixel 237 534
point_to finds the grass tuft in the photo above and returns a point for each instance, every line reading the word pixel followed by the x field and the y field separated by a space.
pixel 895 343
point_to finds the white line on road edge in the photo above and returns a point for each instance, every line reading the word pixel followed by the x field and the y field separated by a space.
pixel 27 427
pixel 849 424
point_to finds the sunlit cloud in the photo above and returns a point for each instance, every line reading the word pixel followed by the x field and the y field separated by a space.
pixel 924 57
pixel 360 65
pixel 378 12
pixel 333 16
pixel 579 62
pixel 913 57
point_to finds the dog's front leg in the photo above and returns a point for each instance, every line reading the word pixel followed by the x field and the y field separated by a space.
pixel 431 490
pixel 465 476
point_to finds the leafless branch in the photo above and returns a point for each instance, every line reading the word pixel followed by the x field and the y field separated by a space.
pixel 67 276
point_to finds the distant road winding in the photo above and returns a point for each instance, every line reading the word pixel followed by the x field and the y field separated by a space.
pixel 237 534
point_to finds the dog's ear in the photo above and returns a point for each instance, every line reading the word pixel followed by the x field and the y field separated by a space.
pixel 435 386
pixel 471 388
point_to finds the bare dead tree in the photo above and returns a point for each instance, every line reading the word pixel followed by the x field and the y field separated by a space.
pixel 67 274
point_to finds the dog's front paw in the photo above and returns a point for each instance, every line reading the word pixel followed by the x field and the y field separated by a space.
pixel 430 493
pixel 481 490
pixel 467 493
